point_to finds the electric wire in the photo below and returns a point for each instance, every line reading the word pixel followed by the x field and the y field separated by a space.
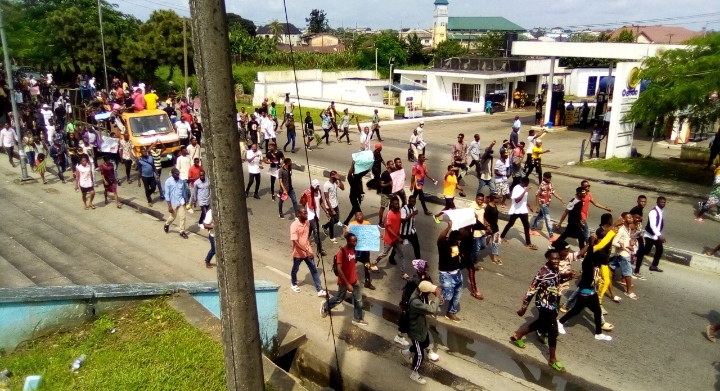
pixel 317 231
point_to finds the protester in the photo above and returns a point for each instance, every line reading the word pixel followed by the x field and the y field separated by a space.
pixel 201 195
pixel 254 160
pixel 356 191
pixel 125 151
pixel 484 170
pixel 9 140
pixel 274 159
pixel 713 199
pixel 417 181
pixel 362 256
pixel 392 240
pixel 653 236
pixel 376 125
pixel 385 190
pixel 519 210
pixel 309 131
pixel 107 170
pixel 407 225
pixel 302 251
pixel 290 132
pixel 449 265
pixel 58 154
pixel 286 187
pixel 420 305
pixel 330 197
pixel 85 183
pixel 573 211
pixel 502 189
pixel 156 151
pixel 479 242
pixel 543 197
pixel 194 150
pixel 345 126
pixel 347 282
pixel 398 181
pixel 175 197
pixel 207 223
pixel 459 158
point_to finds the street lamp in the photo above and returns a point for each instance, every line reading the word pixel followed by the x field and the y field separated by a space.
pixel 102 40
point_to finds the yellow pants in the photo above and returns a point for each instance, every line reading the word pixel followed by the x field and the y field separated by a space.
pixel 604 281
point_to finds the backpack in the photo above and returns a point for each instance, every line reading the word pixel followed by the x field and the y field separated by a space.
pixel 404 319
pixel 335 261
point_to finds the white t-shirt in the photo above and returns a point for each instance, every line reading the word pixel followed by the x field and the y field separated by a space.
pixel 193 152
pixel 311 211
pixel 518 207
pixel 502 168
pixel 268 127
pixel 531 143
pixel 8 138
pixel 183 164
pixel 47 114
pixel 209 220
pixel 606 117
pixel 49 78
pixel 516 124
pixel 254 165
pixel 331 189
pixel 183 129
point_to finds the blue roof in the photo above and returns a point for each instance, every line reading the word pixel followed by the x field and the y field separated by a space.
pixel 441 2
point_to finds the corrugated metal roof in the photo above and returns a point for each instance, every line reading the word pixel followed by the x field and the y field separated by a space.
pixel 481 23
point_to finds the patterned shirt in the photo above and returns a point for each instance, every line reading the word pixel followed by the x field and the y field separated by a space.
pixel 545 289
pixel 127 149
pixel 545 192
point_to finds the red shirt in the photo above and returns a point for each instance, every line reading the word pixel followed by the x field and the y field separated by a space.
pixel 419 172
pixel 193 174
pixel 108 173
pixel 139 102
pixel 299 233
pixel 188 117
pixel 392 221
pixel 586 206
pixel 346 261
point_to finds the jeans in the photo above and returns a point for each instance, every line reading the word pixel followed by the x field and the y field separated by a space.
pixel 479 244
pixel 648 245
pixel 397 246
pixel 345 134
pixel 267 141
pixel 128 167
pixel 526 226
pixel 61 167
pixel 203 213
pixel 486 182
pixel 586 233
pixel 543 213
pixel 495 243
pixel 420 194
pixel 451 285
pixel 594 147
pixel 326 137
pixel 291 195
pixel 313 272
pixel 340 296
pixel 330 225
pixel 149 183
pixel 256 179
pixel 210 253
pixel 290 138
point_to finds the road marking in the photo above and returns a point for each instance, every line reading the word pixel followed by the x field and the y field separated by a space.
pixel 280 272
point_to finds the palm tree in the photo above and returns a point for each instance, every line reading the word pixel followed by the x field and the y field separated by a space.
pixel 276 29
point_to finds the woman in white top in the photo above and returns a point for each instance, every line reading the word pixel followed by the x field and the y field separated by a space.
pixel 365 136
pixel 85 183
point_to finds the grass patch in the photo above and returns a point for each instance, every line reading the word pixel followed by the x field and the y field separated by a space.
pixel 153 348
pixel 656 168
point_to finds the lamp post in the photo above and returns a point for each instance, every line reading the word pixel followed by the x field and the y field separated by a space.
pixel 102 41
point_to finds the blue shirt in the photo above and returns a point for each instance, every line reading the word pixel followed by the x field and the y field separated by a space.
pixel 202 192
pixel 146 166
pixel 325 121
pixel 174 192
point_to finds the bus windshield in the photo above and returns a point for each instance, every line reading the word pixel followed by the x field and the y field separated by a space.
pixel 150 125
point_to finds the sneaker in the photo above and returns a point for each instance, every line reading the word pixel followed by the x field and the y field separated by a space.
pixel 432 356
pixel 339 224
pixel 166 228
pixel 437 220
pixel 322 293
pixel 452 317
pixel 603 337
pixel 323 311
pixel 360 322
pixel 561 328
pixel 541 337
pixel 295 288
pixel 407 355
pixel 638 276
pixel 417 378
pixel 334 240
pixel 400 340
pixel 282 216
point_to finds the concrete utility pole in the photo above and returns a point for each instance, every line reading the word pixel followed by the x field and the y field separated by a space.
pixel 185 53
pixel 102 40
pixel 8 73
pixel 240 330
pixel 548 94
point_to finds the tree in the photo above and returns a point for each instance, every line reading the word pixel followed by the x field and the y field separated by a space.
pixel 449 48
pixel 415 50
pixel 625 36
pixel 237 20
pixel 389 47
pixel 276 29
pixel 490 44
pixel 681 82
pixel 317 22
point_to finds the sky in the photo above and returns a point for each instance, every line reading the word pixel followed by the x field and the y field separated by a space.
pixel 394 14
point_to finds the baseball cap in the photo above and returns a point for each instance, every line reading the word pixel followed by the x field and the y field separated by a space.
pixel 426 287
pixel 422 122
pixel 315 183
pixel 378 146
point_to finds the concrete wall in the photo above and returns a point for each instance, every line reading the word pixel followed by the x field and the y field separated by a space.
pixel 312 83
pixel 385 112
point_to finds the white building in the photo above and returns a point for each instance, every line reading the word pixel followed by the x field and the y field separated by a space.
pixel 465 84
pixel 586 82
pixel 290 35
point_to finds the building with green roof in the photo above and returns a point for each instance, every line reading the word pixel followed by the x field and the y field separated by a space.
pixel 466 28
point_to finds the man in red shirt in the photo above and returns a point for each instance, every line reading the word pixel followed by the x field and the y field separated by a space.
pixel 347 282
pixel 417 181
pixel 139 103
pixel 584 211
pixel 392 238
pixel 194 172
pixel 302 251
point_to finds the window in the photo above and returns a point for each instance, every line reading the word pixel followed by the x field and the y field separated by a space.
pixel 455 91
pixel 442 24
pixel 476 94
pixel 466 92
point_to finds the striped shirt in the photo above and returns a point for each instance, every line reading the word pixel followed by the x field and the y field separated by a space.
pixel 407 227
pixel 157 158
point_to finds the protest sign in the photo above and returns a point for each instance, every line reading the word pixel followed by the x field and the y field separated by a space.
pixel 368 237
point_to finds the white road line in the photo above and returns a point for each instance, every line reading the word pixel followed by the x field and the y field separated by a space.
pixel 278 271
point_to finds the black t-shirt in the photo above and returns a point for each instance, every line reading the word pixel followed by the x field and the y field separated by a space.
pixel 170 111
pixel 275 158
pixel 448 256
pixel 491 215
pixel 356 185
pixel 309 124
pixel 636 210
pixel 385 178
pixel 602 255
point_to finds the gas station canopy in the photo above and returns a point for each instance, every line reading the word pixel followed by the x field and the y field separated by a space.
pixel 610 50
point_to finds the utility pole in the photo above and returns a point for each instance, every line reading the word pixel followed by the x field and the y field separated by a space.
pixel 669 37
pixel 376 68
pixel 8 74
pixel 102 40
pixel 239 318
pixel 185 54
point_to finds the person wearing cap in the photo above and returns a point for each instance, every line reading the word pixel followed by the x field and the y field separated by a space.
pixel 290 132
pixel 420 305
pixel 543 197
pixel 347 282
pixel 376 125
pixel 345 125
pixel 536 159
pixel 176 200
pixel 547 298
pixel 312 200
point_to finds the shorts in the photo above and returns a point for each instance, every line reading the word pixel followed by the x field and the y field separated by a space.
pixel 112 187
pixel 309 133
pixel 622 263
pixel 501 187
pixel 385 200
pixel 86 190
pixel 449 203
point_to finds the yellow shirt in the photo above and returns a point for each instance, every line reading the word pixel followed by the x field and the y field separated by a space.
pixel 151 100
pixel 449 186
pixel 536 151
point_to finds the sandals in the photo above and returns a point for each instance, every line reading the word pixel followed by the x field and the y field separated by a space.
pixel 618 298
pixel 462 194
pixel 531 247
pixel 517 342
pixel 405 277
pixel 558 366
pixel 375 269
pixel 478 295
pixel 498 262
pixel 93 207
pixel 710 333
pixel 631 295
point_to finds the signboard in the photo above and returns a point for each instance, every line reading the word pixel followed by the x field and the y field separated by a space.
pixel 368 237
pixel 626 91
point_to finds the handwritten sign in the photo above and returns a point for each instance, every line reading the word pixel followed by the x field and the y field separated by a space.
pixel 363 160
pixel 368 237
pixel 109 145
pixel 398 180
pixel 460 217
